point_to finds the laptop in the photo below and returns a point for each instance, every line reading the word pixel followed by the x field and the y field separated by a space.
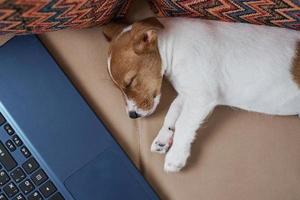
pixel 52 145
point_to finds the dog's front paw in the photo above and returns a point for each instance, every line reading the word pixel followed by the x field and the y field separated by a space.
pixel 163 141
pixel 176 159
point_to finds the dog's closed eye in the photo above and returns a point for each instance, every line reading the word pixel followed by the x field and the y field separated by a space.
pixel 129 83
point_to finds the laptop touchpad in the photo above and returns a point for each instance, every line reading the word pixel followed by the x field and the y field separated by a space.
pixel 106 177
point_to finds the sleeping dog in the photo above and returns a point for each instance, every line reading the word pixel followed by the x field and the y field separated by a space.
pixel 209 63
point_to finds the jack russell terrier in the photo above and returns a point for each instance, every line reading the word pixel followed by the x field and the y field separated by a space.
pixel 209 63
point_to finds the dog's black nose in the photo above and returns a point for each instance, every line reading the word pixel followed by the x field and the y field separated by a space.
pixel 133 115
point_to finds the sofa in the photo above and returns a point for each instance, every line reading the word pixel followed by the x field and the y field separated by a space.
pixel 237 155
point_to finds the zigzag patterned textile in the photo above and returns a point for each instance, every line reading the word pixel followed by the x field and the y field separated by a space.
pixel 38 16
pixel 282 13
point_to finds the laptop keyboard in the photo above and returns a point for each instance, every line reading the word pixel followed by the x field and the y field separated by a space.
pixel 24 180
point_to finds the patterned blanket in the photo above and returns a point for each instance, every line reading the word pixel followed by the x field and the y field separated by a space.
pixel 282 13
pixel 38 16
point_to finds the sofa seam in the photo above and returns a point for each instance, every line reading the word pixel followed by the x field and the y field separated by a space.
pixel 139 130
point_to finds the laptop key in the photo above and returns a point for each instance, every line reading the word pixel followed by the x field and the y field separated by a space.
pixel 11 190
pixel 9 130
pixel 26 186
pixel 6 159
pixel 18 175
pixel 19 197
pixel 10 145
pixel 4 178
pixel 26 153
pixel 47 189
pixel 2 121
pixel 30 165
pixel 3 197
pixel 57 196
pixel 39 177
pixel 17 141
pixel 35 196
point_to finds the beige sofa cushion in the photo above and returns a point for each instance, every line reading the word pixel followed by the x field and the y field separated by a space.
pixel 5 38
pixel 237 155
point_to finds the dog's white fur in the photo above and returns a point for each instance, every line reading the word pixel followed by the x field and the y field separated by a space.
pixel 213 63
pixel 131 106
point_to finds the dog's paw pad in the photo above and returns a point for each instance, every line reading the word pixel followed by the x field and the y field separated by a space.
pixel 160 144
pixel 159 147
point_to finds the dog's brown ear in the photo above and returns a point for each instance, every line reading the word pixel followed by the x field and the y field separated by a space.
pixel 145 42
pixel 144 35
pixel 111 30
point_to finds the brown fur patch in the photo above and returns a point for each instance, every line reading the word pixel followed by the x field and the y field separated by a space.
pixel 111 30
pixel 136 63
pixel 296 65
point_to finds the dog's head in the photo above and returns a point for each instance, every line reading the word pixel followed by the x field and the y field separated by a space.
pixel 134 64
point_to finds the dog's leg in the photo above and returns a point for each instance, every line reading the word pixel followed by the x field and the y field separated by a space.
pixel 164 139
pixel 192 116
